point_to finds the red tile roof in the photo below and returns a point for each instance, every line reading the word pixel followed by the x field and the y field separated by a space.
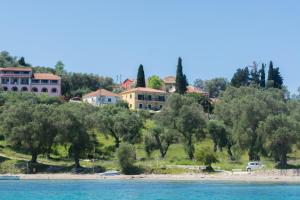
pixel 23 69
pixel 141 89
pixel 193 89
pixel 101 92
pixel 45 76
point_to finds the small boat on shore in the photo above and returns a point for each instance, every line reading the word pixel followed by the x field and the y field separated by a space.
pixel 9 177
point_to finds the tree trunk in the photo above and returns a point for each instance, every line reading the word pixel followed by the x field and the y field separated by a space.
pixel 76 160
pixel 117 142
pixel 34 157
pixel 190 148
pixel 230 152
pixel 215 147
pixel 283 160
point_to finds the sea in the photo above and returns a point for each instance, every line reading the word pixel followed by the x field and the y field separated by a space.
pixel 145 190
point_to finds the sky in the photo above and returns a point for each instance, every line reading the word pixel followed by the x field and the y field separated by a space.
pixel 113 37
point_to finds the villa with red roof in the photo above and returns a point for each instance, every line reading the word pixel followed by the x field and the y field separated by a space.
pixel 101 97
pixel 24 80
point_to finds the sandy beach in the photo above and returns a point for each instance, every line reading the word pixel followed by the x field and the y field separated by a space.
pixel 266 176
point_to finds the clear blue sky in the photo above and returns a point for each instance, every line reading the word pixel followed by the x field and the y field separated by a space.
pixel 111 37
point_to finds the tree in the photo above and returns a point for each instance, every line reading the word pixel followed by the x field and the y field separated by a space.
pixel 183 115
pixel 278 80
pixel 26 129
pixel 255 75
pixel 155 82
pixel 215 86
pixel 199 83
pixel 262 76
pixel 120 123
pixel 279 134
pixel 76 131
pixel 159 138
pixel 241 77
pixel 218 133
pixel 59 68
pixel 6 60
pixel 181 81
pixel 243 109
pixel 126 158
pixel 271 75
pixel 207 157
pixel 203 100
pixel 22 62
pixel 140 81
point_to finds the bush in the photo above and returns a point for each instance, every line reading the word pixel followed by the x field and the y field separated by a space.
pixel 126 158
pixel 206 156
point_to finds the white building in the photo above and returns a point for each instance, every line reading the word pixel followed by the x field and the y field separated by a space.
pixel 101 97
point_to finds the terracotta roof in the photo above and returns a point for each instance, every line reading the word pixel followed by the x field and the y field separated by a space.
pixel 128 79
pixel 141 89
pixel 193 89
pixel 45 76
pixel 23 69
pixel 170 79
pixel 101 92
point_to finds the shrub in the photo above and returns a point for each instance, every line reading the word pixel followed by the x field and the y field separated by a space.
pixel 207 157
pixel 126 158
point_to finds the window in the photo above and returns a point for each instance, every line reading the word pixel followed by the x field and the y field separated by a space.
pixel 140 97
pixel 130 105
pixel 24 89
pixel 149 106
pixel 34 89
pixel 161 98
pixel 53 81
pixel 160 107
pixel 53 90
pixel 44 90
pixel 149 97
pixel 130 96
pixel 35 81
pixel 5 88
pixel 140 106
pixel 5 80
pixel 109 99
pixel 14 81
pixel 24 81
pixel 44 81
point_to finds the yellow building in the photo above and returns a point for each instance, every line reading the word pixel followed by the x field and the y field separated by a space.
pixel 144 98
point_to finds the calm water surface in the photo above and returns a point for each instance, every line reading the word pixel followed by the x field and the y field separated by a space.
pixel 145 190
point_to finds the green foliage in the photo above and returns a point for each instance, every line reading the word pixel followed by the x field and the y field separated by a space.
pixel 183 115
pixel 181 81
pixel 243 109
pixel 203 100
pixel 214 86
pixel 126 158
pixel 255 76
pixel 218 133
pixel 6 60
pixel 120 123
pixel 262 76
pixel 59 68
pixel 274 77
pixel 155 82
pixel 207 157
pixel 22 62
pixel 241 77
pixel 140 80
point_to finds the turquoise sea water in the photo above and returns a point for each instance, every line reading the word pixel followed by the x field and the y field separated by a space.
pixel 145 190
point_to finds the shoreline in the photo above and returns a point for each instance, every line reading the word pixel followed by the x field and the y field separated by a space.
pixel 226 177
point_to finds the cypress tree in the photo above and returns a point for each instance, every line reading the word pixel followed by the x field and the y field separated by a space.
pixel 255 75
pixel 270 75
pixel 240 77
pixel 278 80
pixel 181 81
pixel 262 76
pixel 140 81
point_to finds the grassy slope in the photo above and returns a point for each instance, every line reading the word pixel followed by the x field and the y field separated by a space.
pixel 14 162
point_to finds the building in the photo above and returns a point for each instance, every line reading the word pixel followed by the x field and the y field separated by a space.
pixel 128 84
pixel 101 97
pixel 193 89
pixel 24 80
pixel 170 83
pixel 144 98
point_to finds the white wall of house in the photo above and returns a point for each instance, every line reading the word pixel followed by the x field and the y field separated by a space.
pixel 103 100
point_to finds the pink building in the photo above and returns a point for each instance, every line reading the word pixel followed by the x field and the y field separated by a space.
pixel 22 79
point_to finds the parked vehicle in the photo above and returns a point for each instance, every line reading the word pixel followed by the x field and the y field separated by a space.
pixel 252 166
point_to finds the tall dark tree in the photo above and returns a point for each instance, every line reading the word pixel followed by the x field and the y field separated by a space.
pixel 278 80
pixel 271 75
pixel 22 62
pixel 241 77
pixel 140 81
pixel 181 81
pixel 255 75
pixel 262 76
